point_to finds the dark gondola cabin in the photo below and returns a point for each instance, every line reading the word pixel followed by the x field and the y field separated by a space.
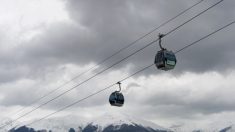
pixel 165 60
pixel 116 99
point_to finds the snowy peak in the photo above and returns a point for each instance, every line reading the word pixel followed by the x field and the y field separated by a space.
pixel 117 120
pixel 108 122
pixel 111 119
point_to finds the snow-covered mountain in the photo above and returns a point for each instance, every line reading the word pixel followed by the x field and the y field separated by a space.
pixel 117 123
pixel 122 123
pixel 217 126
pixel 61 124
pixel 105 123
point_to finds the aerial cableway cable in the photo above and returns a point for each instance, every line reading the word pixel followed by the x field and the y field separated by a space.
pixel 89 96
pixel 104 60
pixel 171 31
pixel 117 52
pixel 145 68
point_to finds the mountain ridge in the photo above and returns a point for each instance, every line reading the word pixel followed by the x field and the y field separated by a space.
pixel 105 123
pixel 117 123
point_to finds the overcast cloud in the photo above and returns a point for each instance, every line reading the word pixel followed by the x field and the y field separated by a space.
pixel 46 43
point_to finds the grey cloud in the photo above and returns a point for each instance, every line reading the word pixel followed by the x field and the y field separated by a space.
pixel 109 26
pixel 19 95
pixel 178 104
pixel 131 85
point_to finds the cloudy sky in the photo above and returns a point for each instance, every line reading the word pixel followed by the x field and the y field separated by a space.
pixel 44 44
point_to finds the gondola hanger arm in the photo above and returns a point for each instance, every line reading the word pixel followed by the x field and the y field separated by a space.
pixel 160 36
pixel 119 84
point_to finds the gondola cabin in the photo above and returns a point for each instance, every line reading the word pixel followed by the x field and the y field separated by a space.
pixel 116 99
pixel 165 60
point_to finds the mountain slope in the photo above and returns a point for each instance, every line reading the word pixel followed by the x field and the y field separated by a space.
pixel 121 128
pixel 122 123
pixel 217 126
pixel 25 129
pixel 61 124
pixel 105 123
pixel 118 123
